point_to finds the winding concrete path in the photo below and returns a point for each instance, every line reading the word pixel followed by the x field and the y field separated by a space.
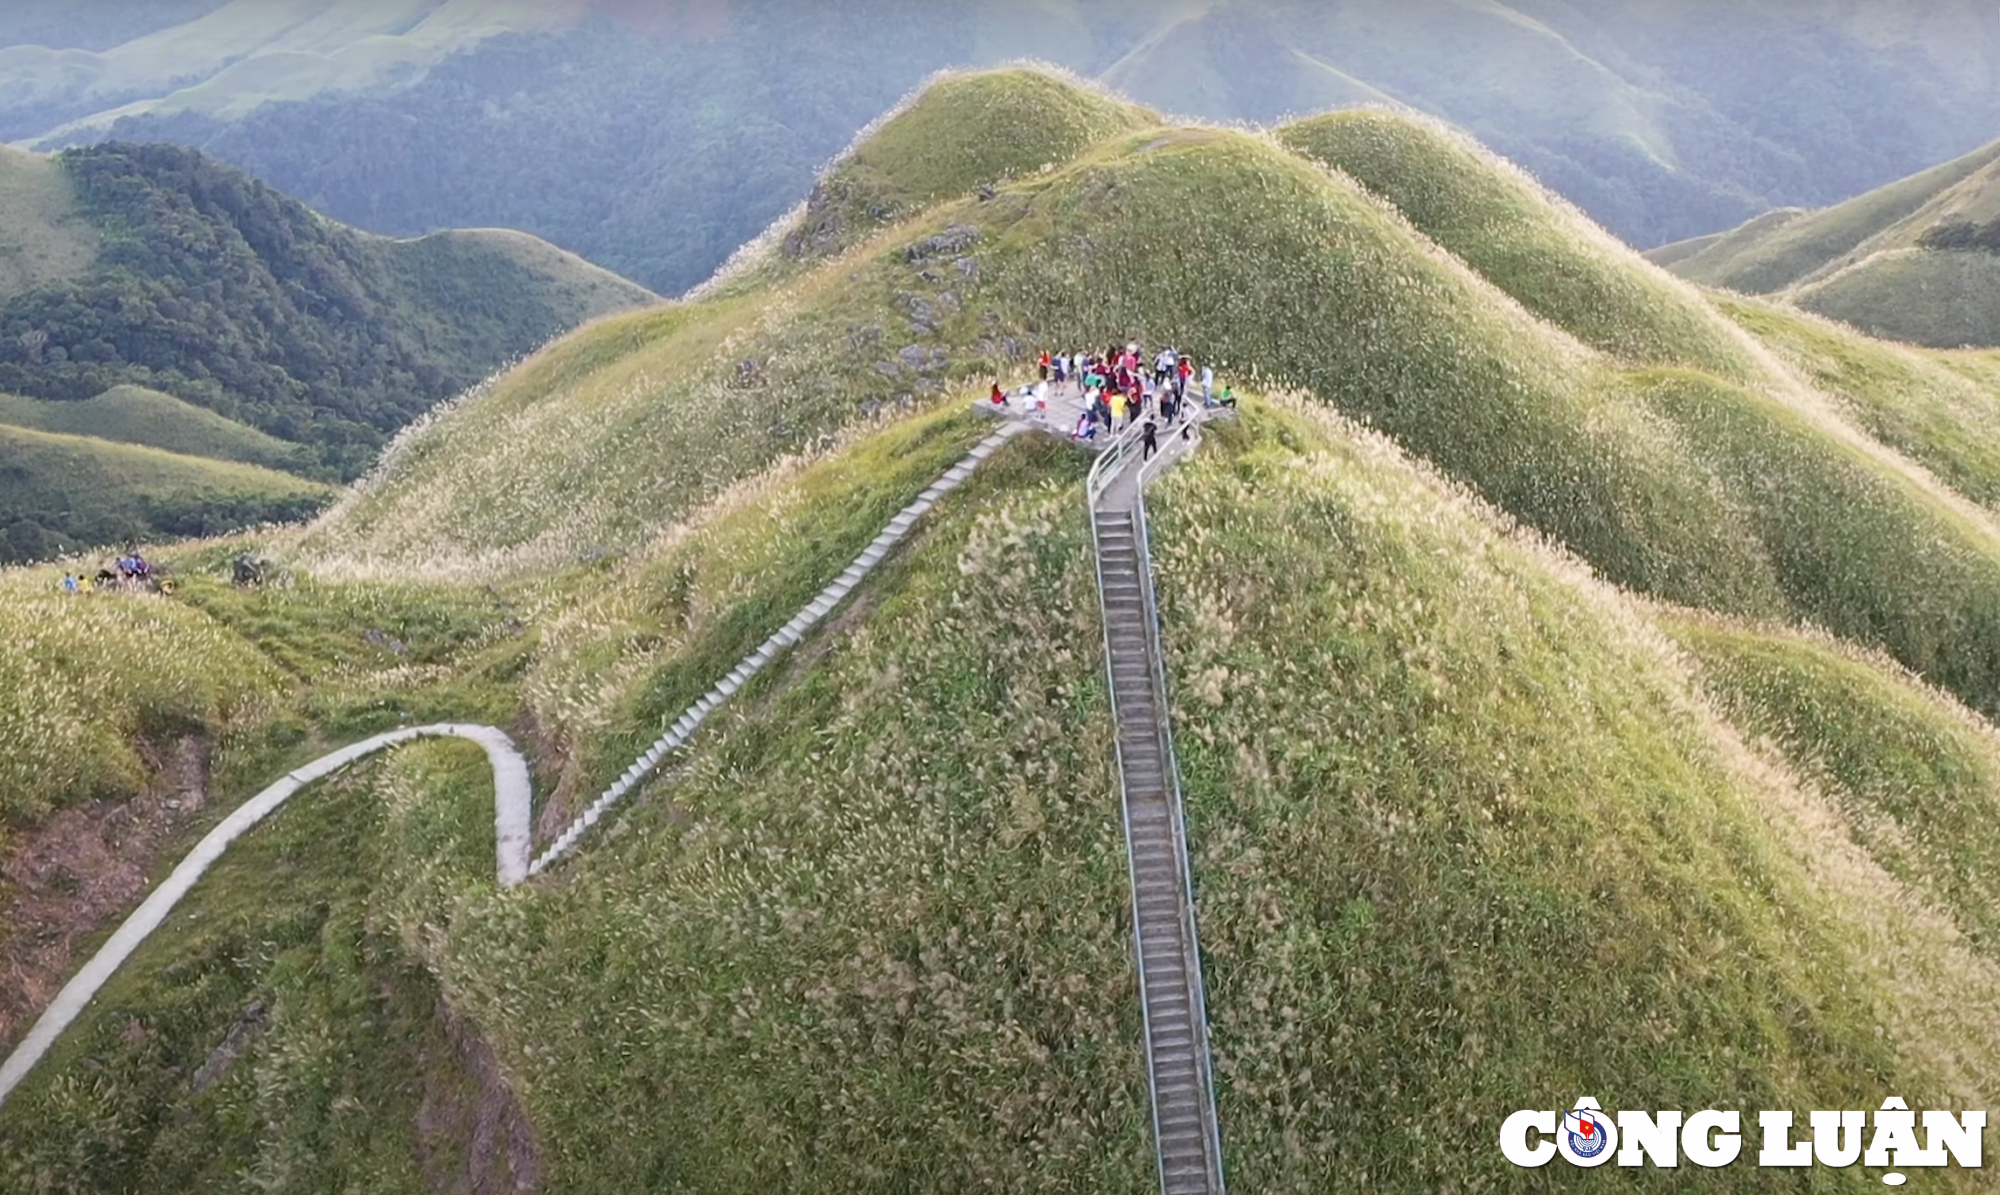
pixel 512 794
pixel 512 811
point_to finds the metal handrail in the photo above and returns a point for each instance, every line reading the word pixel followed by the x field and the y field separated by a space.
pixel 1110 460
pixel 1164 727
pixel 1109 464
pixel 1100 477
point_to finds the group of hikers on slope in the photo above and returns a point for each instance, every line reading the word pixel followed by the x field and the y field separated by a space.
pixel 129 573
pixel 1118 392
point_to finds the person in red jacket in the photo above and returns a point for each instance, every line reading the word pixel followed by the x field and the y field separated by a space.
pixel 1044 362
pixel 998 396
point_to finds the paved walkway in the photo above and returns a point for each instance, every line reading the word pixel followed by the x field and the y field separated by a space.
pixel 1065 408
pixel 512 801
pixel 512 794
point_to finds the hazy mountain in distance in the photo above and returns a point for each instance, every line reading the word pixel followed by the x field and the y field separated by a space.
pixel 654 137
pixel 93 24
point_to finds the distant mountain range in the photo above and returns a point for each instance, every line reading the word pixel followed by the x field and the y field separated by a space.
pixel 183 349
pixel 653 138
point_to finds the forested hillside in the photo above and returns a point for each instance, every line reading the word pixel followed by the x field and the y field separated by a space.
pixel 155 266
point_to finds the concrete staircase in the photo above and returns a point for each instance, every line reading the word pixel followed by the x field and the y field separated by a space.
pixel 1186 1132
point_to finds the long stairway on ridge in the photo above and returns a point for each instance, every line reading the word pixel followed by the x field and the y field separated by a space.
pixel 1186 1133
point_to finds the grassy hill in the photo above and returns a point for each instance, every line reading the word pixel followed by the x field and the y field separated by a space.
pixel 65 493
pixel 1777 250
pixel 969 131
pixel 136 415
pixel 1910 261
pixel 44 237
pixel 1543 625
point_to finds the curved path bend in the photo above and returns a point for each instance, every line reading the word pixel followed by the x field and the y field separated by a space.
pixel 512 808
pixel 513 796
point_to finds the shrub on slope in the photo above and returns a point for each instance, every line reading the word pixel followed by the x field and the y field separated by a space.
pixel 1523 240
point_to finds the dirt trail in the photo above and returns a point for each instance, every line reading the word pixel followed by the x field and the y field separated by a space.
pixel 473 1135
pixel 71 878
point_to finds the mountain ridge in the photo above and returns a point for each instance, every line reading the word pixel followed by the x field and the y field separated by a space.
pixel 1904 261
pixel 155 267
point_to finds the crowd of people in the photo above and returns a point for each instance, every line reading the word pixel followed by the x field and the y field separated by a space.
pixel 1119 391
pixel 128 574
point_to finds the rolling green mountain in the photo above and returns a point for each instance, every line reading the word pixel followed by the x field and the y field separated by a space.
pixel 135 415
pixel 153 267
pixel 60 493
pixel 572 120
pixel 1558 653
pixel 1917 260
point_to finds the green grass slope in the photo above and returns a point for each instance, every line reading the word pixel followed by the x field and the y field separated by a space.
pixel 1278 268
pixel 1431 780
pixel 1920 296
pixel 64 493
pixel 43 235
pixel 1521 238
pixel 1915 774
pixel 136 415
pixel 1939 409
pixel 871 935
pixel 966 131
